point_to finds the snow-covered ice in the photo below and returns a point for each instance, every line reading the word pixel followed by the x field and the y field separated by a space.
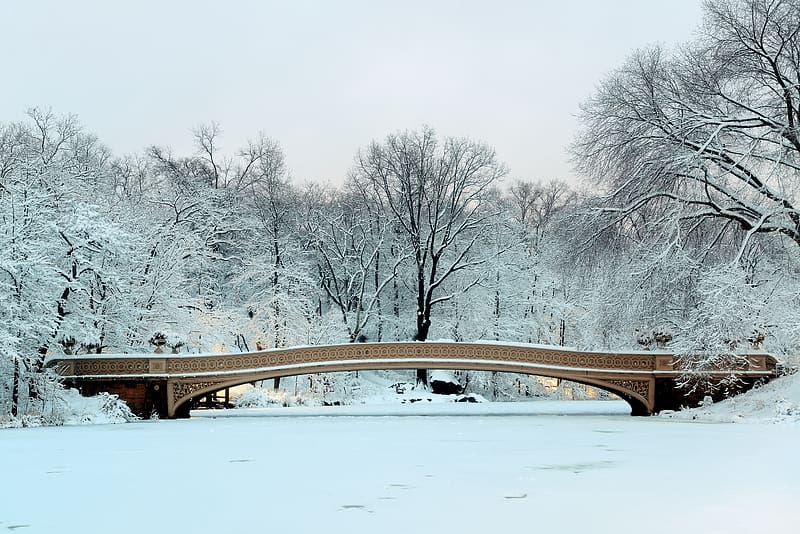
pixel 502 468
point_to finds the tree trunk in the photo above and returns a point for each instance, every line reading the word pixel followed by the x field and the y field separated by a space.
pixel 276 324
pixel 378 297
pixel 497 309
pixel 15 390
pixel 422 377
pixel 423 326
pixel 396 309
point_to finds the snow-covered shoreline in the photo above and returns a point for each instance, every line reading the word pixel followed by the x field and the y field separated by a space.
pixel 777 401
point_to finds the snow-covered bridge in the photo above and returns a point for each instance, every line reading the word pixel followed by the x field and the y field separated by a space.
pixel 169 383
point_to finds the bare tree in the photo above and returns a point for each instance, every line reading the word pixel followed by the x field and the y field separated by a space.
pixel 260 160
pixel 349 243
pixel 711 128
pixel 130 178
pixel 206 138
pixel 434 191
pixel 535 204
pixel 14 147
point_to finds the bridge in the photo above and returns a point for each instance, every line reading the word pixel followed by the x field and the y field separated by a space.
pixel 169 384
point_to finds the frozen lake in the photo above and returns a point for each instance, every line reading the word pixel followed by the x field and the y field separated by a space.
pixel 419 469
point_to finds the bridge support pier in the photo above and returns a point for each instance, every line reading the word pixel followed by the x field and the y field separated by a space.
pixel 638 409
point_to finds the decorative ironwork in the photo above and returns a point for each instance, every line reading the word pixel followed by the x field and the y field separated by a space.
pixel 111 366
pixel 640 387
pixel 187 389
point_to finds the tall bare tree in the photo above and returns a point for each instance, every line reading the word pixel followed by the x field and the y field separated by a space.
pixel 534 205
pixel 435 192
pixel 712 129
pixel 349 242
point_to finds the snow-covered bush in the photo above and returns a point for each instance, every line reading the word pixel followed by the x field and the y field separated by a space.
pixel 66 406
pixel 262 398
pixel 502 386
pixel 716 333
pixel 256 398
pixel 70 408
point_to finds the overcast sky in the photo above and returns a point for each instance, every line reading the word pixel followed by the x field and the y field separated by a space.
pixel 326 77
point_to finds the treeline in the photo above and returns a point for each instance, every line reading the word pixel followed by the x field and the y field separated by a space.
pixel 221 251
pixel 686 231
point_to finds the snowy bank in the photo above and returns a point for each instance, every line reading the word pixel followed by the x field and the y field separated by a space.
pixel 777 401
pixel 69 407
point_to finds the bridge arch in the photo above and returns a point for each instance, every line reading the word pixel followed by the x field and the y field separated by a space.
pixel 634 392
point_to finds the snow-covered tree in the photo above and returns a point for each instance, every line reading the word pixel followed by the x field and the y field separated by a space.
pixel 434 192
pixel 65 265
pixel 354 260
pixel 712 126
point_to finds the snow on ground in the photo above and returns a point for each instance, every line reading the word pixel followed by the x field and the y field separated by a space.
pixel 400 459
pixel 778 401
pixel 393 387
pixel 482 472
pixel 440 405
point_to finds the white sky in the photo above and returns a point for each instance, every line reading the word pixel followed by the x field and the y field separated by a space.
pixel 326 77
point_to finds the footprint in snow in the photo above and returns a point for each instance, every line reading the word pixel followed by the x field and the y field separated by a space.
pixel 356 507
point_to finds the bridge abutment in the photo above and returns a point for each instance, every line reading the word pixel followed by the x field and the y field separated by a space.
pixel 670 395
pixel 144 398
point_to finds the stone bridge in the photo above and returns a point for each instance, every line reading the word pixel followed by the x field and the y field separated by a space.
pixel 169 383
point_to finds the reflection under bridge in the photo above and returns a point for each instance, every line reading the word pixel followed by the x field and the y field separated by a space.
pixel 169 383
